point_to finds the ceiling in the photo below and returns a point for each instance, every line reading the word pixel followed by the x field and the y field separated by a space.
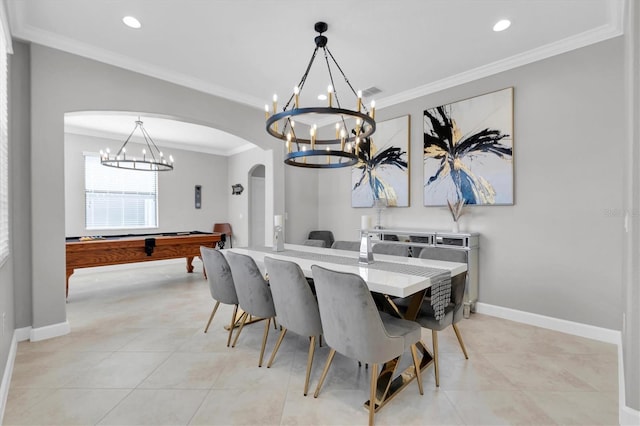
pixel 247 50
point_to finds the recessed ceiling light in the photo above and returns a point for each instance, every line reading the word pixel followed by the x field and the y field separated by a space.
pixel 322 97
pixel 502 25
pixel 131 22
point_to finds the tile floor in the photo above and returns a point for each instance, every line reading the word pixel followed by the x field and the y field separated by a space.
pixel 137 354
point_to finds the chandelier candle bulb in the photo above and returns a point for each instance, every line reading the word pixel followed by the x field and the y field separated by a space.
pixel 373 109
pixel 328 156
pixel 296 92
pixel 337 131
pixel 266 111
pixel 359 100
pixel 330 95
pixel 342 139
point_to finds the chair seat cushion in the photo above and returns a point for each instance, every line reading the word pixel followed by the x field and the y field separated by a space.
pixel 397 327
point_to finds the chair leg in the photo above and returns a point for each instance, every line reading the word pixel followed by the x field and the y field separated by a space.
pixel 416 364
pixel 372 392
pixel 243 319
pixel 312 349
pixel 327 364
pixel 459 336
pixel 436 369
pixel 215 308
pixel 273 355
pixel 264 340
pixel 233 323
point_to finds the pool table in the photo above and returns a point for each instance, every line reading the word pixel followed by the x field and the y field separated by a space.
pixel 86 252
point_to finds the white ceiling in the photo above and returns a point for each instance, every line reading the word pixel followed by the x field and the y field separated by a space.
pixel 247 50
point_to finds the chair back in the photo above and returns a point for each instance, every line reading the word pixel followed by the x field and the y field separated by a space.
pixel 296 306
pixel 392 249
pixel 346 245
pixel 254 295
pixel 350 320
pixel 326 236
pixel 224 228
pixel 219 276
pixel 315 243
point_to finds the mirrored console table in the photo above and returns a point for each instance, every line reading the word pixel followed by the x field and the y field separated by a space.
pixel 449 246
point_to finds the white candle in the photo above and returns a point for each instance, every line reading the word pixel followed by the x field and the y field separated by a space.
pixel 364 222
pixel 277 220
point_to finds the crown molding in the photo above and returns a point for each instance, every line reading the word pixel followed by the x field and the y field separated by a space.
pixel 587 38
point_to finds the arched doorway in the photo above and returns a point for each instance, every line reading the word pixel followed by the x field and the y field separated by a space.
pixel 257 206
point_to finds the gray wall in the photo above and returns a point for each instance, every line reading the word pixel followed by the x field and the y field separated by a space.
pixel 631 287
pixel 557 251
pixel 301 187
pixel 176 209
pixel 62 83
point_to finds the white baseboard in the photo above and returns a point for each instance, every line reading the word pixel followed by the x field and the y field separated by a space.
pixel 627 416
pixel 6 377
pixel 49 331
pixel 22 334
pixel 575 328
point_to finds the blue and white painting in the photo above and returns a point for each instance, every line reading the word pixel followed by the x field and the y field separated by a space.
pixel 468 151
pixel 381 176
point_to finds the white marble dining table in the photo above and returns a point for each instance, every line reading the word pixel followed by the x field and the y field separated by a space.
pixel 395 276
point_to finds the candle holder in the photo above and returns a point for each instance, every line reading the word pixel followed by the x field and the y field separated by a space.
pixel 366 254
pixel 278 238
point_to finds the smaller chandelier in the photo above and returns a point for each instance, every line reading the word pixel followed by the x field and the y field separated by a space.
pixel 321 151
pixel 152 158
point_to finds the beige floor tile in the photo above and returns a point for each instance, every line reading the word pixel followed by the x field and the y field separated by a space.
pixel 498 408
pixel 120 370
pixel 69 407
pixel 185 371
pixel 156 407
pixel 159 340
pixel 578 408
pixel 251 406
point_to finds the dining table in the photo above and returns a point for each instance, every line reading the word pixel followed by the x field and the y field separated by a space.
pixel 387 277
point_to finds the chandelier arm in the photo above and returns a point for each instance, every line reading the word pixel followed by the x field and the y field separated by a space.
pixel 303 79
pixel 126 141
pixel 345 77
pixel 335 91
pixel 147 138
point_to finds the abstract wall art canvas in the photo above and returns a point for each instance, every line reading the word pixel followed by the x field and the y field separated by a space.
pixel 381 176
pixel 468 151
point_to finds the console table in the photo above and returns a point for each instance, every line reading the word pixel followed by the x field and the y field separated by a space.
pixel 436 241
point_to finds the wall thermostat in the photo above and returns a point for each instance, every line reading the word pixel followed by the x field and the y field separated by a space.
pixel 198 196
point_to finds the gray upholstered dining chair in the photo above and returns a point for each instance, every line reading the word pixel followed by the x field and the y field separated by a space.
pixel 296 306
pixel 392 249
pixel 254 294
pixel 221 284
pixel 453 313
pixel 326 236
pixel 359 330
pixel 346 245
pixel 315 243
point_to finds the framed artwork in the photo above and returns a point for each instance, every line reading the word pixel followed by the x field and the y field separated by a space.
pixel 381 176
pixel 468 151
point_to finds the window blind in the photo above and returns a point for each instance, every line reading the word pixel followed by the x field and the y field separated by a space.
pixel 119 198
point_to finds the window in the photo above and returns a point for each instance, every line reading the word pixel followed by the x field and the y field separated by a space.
pixel 4 149
pixel 119 198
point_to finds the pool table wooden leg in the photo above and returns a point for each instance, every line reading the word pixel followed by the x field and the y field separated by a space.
pixel 69 273
pixel 190 264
